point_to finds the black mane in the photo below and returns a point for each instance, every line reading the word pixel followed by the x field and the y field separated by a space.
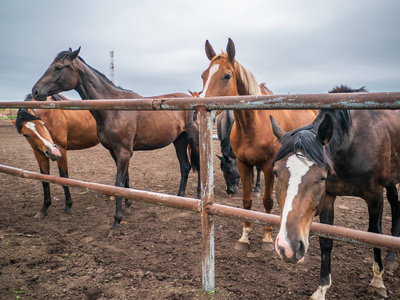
pixel 64 54
pixel 304 139
pixel 346 89
pixel 23 115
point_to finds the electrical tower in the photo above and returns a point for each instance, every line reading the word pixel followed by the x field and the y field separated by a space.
pixel 112 66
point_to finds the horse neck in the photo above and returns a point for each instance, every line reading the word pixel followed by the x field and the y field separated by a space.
pixel 92 85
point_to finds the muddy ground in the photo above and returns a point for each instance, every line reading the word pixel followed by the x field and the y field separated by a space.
pixel 159 255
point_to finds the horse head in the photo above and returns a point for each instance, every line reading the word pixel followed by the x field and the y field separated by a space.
pixel 36 133
pixel 62 75
pixel 300 185
pixel 220 77
pixel 231 173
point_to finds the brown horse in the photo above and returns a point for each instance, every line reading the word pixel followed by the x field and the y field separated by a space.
pixel 342 153
pixel 51 132
pixel 251 137
pixel 122 132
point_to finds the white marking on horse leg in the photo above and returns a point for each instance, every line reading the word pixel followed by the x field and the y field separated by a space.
pixel 267 235
pixel 213 70
pixel 377 281
pixel 297 169
pixel 319 294
pixel 245 236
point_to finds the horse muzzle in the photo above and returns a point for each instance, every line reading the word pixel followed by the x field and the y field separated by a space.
pixel 53 153
pixel 38 94
pixel 290 251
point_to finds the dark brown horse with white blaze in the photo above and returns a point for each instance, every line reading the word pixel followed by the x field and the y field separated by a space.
pixel 251 137
pixel 51 132
pixel 122 132
pixel 342 153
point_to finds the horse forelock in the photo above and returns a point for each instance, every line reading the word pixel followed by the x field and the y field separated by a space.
pixel 24 115
pixel 304 140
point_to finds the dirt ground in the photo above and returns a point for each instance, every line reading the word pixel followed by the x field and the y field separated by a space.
pixel 159 255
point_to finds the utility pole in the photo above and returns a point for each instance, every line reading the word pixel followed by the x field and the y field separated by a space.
pixel 112 66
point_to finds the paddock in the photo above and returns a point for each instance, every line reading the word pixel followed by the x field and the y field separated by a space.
pixel 250 275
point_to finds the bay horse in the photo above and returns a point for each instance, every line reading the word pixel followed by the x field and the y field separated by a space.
pixel 50 133
pixel 251 137
pixel 341 153
pixel 123 132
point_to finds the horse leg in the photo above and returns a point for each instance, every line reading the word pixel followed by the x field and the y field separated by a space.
pixel 326 216
pixel 181 152
pixel 122 159
pixel 258 180
pixel 128 202
pixel 375 210
pixel 268 202
pixel 246 175
pixel 62 164
pixel 393 197
pixel 44 166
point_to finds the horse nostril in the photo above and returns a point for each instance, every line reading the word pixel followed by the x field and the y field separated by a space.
pixel 300 251
pixel 35 92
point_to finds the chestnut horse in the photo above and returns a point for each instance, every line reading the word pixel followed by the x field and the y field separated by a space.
pixel 342 153
pixel 251 137
pixel 51 132
pixel 123 132
pixel 228 164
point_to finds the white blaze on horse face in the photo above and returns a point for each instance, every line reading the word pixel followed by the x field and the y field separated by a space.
pixel 32 127
pixel 297 169
pixel 211 73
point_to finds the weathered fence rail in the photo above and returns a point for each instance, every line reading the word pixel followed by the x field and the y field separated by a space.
pixel 206 206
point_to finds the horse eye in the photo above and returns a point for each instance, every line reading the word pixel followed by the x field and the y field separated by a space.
pixel 322 179
pixel 25 135
pixel 228 76
pixel 59 68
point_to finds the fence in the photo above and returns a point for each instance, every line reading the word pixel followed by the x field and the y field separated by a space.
pixel 206 206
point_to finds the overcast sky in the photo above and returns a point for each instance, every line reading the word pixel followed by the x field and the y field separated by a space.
pixel 294 46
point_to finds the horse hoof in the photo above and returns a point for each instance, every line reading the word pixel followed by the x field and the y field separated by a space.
pixel 265 246
pixel 40 215
pixel 381 291
pixel 115 232
pixel 242 246
pixel 65 216
pixel 126 210
pixel 390 265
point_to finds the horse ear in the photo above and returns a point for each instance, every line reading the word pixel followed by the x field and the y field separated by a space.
pixel 230 49
pixel 276 129
pixel 70 49
pixel 325 130
pixel 220 157
pixel 210 51
pixel 75 53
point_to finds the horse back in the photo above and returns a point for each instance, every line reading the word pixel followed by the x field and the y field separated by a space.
pixel 369 158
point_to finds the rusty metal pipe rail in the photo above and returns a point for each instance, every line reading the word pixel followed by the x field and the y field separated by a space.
pixel 387 100
pixel 190 204
pixel 144 196
pixel 324 230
